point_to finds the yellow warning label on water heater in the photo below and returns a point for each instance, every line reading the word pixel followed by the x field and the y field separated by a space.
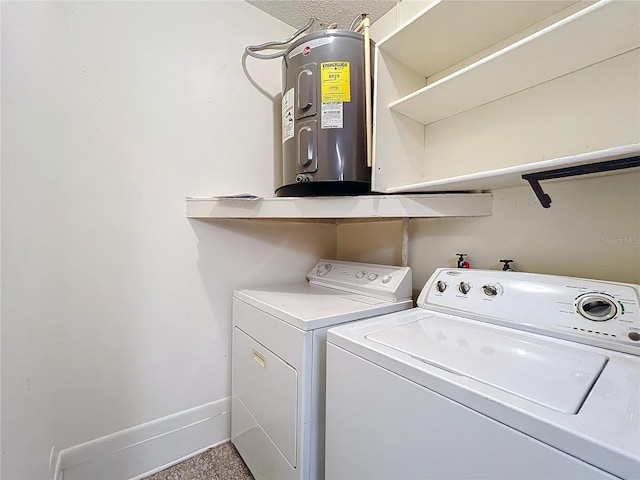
pixel 336 81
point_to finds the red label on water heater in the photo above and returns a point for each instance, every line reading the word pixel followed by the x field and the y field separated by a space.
pixel 307 50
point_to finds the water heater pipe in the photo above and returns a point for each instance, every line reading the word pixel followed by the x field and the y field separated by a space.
pixel 363 27
pixel 252 50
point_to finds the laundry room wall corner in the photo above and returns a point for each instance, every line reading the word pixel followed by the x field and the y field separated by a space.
pixel 382 242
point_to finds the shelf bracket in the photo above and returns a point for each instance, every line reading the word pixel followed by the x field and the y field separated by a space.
pixel 534 179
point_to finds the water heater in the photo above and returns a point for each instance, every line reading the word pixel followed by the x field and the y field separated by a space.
pixel 324 132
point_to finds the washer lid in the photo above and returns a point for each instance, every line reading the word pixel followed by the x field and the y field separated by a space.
pixel 554 376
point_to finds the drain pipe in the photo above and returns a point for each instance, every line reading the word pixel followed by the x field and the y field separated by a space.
pixel 405 242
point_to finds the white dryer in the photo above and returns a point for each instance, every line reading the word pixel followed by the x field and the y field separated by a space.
pixel 278 360
pixel 499 375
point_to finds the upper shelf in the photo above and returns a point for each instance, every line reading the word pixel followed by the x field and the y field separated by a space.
pixel 447 32
pixel 342 208
pixel 566 46
pixel 513 176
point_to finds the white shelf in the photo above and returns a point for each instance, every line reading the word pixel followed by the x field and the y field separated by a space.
pixel 470 95
pixel 447 32
pixel 512 176
pixel 573 43
pixel 365 207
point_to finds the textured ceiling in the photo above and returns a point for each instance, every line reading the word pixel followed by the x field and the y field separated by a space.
pixel 297 12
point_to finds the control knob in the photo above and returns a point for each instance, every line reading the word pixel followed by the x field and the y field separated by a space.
pixel 323 269
pixel 597 308
pixel 372 276
pixel 441 286
pixel 360 274
pixel 386 279
pixel 490 290
pixel 464 287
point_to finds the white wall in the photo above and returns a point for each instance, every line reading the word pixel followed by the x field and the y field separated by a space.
pixel 591 230
pixel 116 310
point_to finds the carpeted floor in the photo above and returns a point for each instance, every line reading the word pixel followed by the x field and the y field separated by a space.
pixel 220 463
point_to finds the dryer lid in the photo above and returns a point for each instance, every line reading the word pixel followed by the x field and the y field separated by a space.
pixel 309 307
pixel 556 376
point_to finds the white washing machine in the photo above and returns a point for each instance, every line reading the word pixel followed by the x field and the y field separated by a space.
pixel 278 360
pixel 499 375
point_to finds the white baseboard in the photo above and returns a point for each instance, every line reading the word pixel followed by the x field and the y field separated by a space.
pixel 147 448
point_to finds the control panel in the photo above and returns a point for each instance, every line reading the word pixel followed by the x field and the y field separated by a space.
pixel 381 281
pixel 605 314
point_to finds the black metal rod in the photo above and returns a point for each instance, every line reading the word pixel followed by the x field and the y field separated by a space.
pixel 606 166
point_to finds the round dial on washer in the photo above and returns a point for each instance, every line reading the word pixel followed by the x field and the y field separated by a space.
pixel 386 279
pixel 360 274
pixel 323 269
pixel 597 308
pixel 441 286
pixel 372 276
pixel 490 290
pixel 464 287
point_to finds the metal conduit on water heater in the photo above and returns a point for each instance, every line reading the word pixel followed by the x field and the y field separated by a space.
pixel 326 110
